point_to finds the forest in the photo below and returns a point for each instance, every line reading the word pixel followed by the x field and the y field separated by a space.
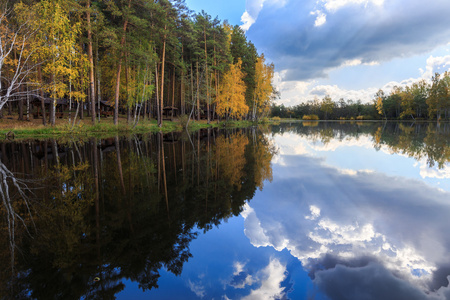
pixel 421 100
pixel 140 59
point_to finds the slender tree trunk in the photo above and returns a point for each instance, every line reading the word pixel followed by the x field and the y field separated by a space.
pixel 198 96
pixel 81 110
pixel 53 109
pixel 192 86
pixel 119 69
pixel 162 75
pixel 91 61
pixel 182 91
pixel 173 90
pixel 99 94
pixel 119 163
pixel 76 114
pixel 28 105
pixel 158 110
pixel 215 75
pixel 206 76
pixel 20 110
pixel 42 96
pixel 129 107
pixel 164 173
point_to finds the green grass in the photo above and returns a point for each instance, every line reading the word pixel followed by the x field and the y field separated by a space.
pixel 33 129
pixel 83 129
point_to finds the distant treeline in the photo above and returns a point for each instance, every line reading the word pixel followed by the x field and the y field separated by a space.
pixel 141 57
pixel 421 100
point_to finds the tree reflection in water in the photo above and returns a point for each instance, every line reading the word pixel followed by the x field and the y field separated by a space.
pixel 124 208
pixel 116 209
pixel 417 140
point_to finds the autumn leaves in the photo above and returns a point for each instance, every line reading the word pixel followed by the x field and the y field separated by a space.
pixel 231 100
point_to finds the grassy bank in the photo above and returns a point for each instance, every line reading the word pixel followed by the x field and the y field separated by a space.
pixel 10 126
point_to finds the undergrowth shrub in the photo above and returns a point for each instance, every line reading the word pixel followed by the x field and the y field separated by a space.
pixel 310 117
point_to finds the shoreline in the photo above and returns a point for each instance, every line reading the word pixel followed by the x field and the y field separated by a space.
pixel 13 129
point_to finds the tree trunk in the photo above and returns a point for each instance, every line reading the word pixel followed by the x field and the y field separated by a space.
pixel 91 61
pixel 173 90
pixel 129 107
pixel 182 91
pixel 42 96
pixel 20 110
pixel 158 110
pixel 28 105
pixel 99 94
pixel 119 163
pixel 198 96
pixel 162 76
pixel 206 76
pixel 192 86
pixel 119 69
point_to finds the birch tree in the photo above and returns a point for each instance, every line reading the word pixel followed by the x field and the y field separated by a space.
pixel 14 69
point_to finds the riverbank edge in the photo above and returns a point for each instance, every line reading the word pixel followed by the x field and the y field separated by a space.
pixel 106 129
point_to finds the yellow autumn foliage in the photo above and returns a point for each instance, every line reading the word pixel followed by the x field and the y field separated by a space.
pixel 264 89
pixel 231 99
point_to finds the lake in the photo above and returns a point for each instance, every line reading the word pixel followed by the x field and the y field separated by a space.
pixel 312 210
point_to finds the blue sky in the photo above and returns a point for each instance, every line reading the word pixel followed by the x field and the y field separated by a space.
pixel 344 48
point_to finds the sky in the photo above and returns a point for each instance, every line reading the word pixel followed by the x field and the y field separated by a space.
pixel 342 48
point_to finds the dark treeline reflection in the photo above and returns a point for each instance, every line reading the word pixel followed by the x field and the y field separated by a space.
pixel 81 217
pixel 417 140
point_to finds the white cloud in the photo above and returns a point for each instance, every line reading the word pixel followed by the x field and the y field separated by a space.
pixel 348 34
pixel 238 267
pixel 292 92
pixel 351 63
pixel 271 278
pixel 320 19
pixel 435 172
pixel 247 21
pixel 436 64
pixel 336 93
pixel 363 141
pixel 238 282
pixel 296 92
pixel 315 213
pixel 334 5
pixel 357 62
pixel 197 289
pixel 253 227
pixel 253 8
pixel 348 172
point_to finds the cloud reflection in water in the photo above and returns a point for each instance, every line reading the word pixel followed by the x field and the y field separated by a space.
pixel 361 235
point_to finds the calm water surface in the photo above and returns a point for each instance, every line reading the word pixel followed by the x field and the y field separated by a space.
pixel 294 211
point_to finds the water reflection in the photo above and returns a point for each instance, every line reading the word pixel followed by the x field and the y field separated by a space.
pixel 429 141
pixel 360 233
pixel 364 208
pixel 115 209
